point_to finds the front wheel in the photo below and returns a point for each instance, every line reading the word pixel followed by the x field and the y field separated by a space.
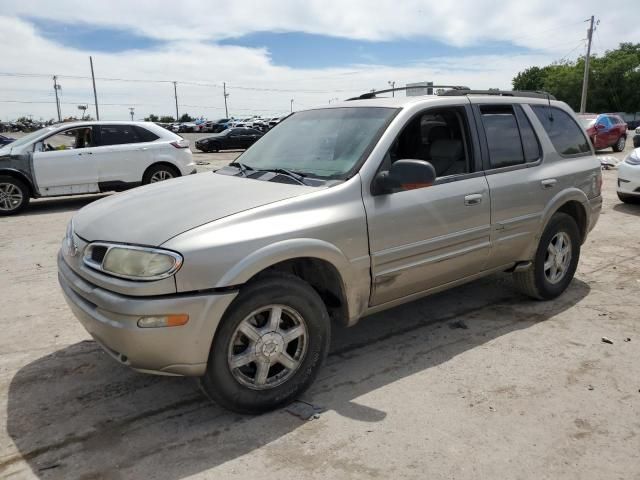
pixel 555 261
pixel 620 144
pixel 269 346
pixel 14 195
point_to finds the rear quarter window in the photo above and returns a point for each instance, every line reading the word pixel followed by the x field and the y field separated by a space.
pixel 145 135
pixel 566 136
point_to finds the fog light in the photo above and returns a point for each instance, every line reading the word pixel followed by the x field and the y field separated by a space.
pixel 163 321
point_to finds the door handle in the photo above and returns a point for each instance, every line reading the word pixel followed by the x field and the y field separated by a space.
pixel 473 199
pixel 144 148
pixel 548 183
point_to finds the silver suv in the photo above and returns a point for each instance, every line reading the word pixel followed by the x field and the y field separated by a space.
pixel 235 276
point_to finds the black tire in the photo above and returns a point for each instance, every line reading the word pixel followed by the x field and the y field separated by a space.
pixel 534 282
pixel 157 169
pixel 633 199
pixel 219 382
pixel 620 144
pixel 14 195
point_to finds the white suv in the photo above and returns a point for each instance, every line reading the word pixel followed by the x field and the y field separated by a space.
pixel 89 157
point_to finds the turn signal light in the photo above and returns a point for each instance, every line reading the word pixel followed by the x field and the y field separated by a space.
pixel 157 321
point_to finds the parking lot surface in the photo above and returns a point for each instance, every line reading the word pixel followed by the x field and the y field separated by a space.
pixel 476 382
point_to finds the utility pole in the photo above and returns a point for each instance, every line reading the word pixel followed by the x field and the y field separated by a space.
pixel 57 87
pixel 585 79
pixel 131 110
pixel 393 85
pixel 292 105
pixel 224 92
pixel 175 94
pixel 95 94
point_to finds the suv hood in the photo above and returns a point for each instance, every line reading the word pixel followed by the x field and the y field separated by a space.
pixel 153 214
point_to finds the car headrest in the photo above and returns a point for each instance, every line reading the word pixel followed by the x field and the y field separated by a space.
pixel 439 132
pixel 447 149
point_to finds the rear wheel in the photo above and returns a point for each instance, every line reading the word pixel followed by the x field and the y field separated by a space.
pixel 159 173
pixel 620 144
pixel 14 195
pixel 555 261
pixel 269 346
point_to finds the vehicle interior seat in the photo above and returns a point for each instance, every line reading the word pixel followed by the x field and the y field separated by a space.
pixel 447 157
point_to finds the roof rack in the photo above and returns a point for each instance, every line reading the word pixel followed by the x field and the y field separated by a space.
pixel 459 90
pixel 501 93
pixel 373 94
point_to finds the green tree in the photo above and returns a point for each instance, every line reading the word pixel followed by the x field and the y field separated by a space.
pixel 152 118
pixel 167 119
pixel 613 80
pixel 185 117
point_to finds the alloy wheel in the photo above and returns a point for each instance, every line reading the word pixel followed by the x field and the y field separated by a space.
pixel 160 176
pixel 558 257
pixel 10 197
pixel 267 347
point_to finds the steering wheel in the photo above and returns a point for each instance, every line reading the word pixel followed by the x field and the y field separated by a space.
pixel 48 147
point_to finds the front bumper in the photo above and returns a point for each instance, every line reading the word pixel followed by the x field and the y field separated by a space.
pixel 112 318
pixel 628 179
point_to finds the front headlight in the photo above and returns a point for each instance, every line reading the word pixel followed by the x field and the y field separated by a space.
pixel 131 262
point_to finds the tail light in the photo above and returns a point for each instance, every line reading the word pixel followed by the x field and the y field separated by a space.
pixel 182 143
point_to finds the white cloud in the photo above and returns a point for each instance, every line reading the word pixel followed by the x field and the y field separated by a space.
pixel 551 29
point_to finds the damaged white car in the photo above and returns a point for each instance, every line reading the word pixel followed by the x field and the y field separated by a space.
pixel 89 157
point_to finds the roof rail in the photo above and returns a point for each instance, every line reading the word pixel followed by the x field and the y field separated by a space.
pixel 373 94
pixel 502 93
pixel 459 90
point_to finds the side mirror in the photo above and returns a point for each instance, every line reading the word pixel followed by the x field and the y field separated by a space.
pixel 404 174
pixel 636 141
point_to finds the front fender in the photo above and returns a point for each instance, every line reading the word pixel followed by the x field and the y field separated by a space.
pixel 272 254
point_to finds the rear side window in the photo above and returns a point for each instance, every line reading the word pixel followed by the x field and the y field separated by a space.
pixel 565 134
pixel 530 144
pixel 145 135
pixel 503 135
pixel 117 134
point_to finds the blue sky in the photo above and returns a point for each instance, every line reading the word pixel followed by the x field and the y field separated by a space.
pixel 291 49
pixel 268 52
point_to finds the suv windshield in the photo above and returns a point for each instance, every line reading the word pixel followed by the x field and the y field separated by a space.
pixel 325 143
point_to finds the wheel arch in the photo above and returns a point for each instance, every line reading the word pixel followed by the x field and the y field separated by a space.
pixel 163 163
pixel 11 172
pixel 319 263
pixel 574 203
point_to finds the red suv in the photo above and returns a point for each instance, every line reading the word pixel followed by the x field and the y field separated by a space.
pixel 605 130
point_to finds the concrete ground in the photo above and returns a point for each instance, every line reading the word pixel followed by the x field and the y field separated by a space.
pixel 476 382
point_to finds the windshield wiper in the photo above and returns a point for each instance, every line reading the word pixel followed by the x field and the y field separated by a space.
pixel 298 176
pixel 242 167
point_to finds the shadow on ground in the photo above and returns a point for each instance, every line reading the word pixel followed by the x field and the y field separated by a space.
pixel 628 208
pixel 78 414
pixel 64 204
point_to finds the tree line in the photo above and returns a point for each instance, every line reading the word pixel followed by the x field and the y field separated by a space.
pixel 614 80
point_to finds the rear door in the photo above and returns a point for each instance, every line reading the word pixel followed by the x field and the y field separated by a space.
pixel 520 185
pixel 122 155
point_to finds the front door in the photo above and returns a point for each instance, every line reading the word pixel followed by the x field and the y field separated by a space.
pixel 427 237
pixel 64 164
